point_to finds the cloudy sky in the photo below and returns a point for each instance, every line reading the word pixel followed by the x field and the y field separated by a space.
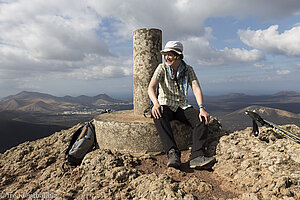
pixel 79 47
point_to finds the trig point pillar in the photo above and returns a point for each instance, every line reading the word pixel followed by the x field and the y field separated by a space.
pixel 147 44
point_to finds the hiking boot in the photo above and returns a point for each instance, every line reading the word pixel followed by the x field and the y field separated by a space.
pixel 174 158
pixel 201 161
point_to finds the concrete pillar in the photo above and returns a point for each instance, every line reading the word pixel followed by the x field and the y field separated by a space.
pixel 147 44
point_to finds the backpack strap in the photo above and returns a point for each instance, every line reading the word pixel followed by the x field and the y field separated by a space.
pixel 96 145
pixel 255 130
pixel 149 109
pixel 73 140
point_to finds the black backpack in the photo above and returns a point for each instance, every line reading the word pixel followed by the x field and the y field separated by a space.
pixel 83 141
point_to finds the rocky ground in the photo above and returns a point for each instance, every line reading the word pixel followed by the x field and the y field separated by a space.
pixel 265 167
pixel 247 167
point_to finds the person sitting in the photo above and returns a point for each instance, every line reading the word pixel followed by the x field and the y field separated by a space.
pixel 172 78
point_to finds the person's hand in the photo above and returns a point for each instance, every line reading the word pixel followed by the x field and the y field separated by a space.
pixel 157 110
pixel 204 114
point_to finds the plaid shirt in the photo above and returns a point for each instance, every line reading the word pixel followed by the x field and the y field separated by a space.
pixel 168 93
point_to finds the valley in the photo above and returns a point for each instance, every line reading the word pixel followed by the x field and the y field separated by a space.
pixel 28 116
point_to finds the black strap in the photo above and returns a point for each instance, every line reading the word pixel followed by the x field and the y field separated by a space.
pixel 255 117
pixel 148 110
pixel 176 80
pixel 255 129
pixel 74 138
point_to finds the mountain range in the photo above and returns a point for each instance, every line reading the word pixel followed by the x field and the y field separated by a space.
pixel 28 116
pixel 32 115
pixel 281 108
pixel 225 104
pixel 45 103
pixel 238 120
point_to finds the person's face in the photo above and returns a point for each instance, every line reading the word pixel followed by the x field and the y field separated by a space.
pixel 171 59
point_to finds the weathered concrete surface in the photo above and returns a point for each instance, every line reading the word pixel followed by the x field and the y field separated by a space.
pixel 147 44
pixel 125 131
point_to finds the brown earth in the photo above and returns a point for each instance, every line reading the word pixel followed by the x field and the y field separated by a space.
pixel 213 185
pixel 247 167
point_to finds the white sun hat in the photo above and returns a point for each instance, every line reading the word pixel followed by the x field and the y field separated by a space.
pixel 175 46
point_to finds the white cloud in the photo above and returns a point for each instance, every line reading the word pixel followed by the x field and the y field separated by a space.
pixel 265 67
pixel 181 18
pixel 109 69
pixel 297 24
pixel 270 40
pixel 56 32
pixel 66 31
pixel 199 49
pixel 283 72
pixel 71 38
pixel 98 72
pixel 39 38
pixel 295 65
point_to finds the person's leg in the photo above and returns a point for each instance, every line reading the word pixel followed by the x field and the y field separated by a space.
pixel 200 130
pixel 165 132
pixel 191 116
pixel 164 129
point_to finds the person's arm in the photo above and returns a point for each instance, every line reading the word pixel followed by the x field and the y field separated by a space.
pixel 157 108
pixel 199 98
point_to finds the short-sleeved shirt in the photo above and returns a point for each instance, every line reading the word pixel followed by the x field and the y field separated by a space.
pixel 168 93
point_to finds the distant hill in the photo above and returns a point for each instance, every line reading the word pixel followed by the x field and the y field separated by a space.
pixel 287 93
pixel 238 120
pixel 25 95
pixel 32 115
pixel 41 113
pixel 45 103
pixel 39 106
pixel 225 104
pixel 91 100
pixel 11 104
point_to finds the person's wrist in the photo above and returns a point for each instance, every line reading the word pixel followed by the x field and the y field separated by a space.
pixel 201 106
pixel 202 110
pixel 156 103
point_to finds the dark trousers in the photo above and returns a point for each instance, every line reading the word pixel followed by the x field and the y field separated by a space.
pixel 188 116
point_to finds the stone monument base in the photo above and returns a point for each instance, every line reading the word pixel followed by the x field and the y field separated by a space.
pixel 126 132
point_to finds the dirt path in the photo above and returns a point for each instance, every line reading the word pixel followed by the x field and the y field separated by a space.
pixel 216 189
